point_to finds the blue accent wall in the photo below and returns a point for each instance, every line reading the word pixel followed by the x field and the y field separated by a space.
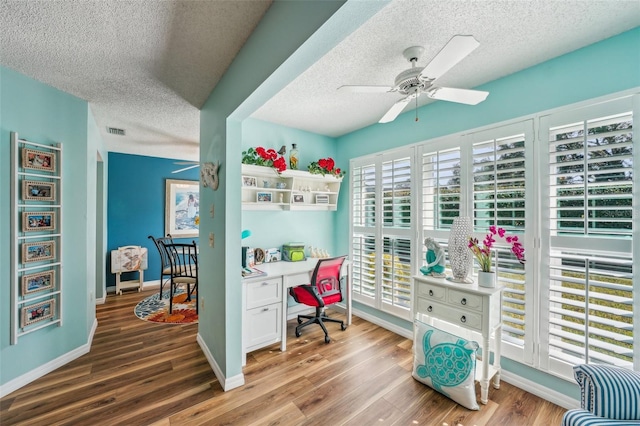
pixel 136 202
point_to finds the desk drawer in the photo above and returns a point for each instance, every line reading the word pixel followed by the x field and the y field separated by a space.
pixel 464 300
pixel 461 317
pixel 297 279
pixel 264 292
pixel 430 291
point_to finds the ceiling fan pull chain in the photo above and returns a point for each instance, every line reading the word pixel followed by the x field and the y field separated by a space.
pixel 416 105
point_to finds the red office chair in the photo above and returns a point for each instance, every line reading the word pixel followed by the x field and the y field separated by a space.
pixel 324 290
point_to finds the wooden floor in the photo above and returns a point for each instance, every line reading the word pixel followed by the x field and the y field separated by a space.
pixel 139 373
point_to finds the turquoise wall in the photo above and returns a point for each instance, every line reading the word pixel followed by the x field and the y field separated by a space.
pixel 270 59
pixel 136 205
pixel 578 76
pixel 41 113
pixel 274 228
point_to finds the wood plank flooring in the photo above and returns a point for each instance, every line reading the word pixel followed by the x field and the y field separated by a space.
pixel 139 373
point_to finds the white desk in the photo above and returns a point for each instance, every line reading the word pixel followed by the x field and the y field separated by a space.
pixel 264 301
pixel 475 308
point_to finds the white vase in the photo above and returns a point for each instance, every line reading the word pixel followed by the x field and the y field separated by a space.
pixel 486 279
pixel 460 257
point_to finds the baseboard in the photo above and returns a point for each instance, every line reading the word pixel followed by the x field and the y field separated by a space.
pixel 384 324
pixel 147 285
pixel 543 392
pixel 227 384
pixel 47 368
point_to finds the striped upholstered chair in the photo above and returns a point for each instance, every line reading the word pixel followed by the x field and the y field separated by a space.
pixel 609 396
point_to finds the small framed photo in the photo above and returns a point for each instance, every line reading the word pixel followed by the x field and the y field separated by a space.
pixel 298 198
pixel 38 190
pixel 39 281
pixel 38 160
pixel 249 181
pixel 38 221
pixel 322 199
pixel 35 252
pixel 38 312
pixel 264 197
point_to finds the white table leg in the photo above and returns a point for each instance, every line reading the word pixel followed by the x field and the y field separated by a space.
pixel 484 381
pixel 348 294
pixel 283 319
pixel 496 357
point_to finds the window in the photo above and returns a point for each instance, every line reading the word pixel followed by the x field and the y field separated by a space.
pixel 568 191
pixel 382 226
pixel 589 238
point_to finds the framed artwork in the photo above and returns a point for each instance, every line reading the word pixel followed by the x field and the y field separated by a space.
pixel 249 181
pixel 298 198
pixel 264 197
pixel 38 312
pixel 35 252
pixel 182 208
pixel 322 199
pixel 38 221
pixel 38 190
pixel 38 160
pixel 38 281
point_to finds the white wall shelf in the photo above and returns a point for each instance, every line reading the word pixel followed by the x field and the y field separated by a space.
pixel 301 191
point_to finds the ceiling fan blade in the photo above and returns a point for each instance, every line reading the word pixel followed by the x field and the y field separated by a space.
pixel 186 168
pixel 463 96
pixel 181 163
pixel 365 89
pixel 396 109
pixel 453 52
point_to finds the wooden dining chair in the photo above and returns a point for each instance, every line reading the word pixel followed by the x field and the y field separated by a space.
pixel 183 261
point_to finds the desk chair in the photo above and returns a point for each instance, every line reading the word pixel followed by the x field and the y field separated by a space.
pixel 324 290
pixel 165 266
pixel 183 259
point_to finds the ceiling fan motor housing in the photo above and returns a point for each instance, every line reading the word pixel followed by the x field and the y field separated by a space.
pixel 408 81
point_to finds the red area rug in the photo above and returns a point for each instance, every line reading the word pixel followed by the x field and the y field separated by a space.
pixel 155 309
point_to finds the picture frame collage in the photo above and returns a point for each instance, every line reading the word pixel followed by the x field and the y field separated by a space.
pixel 38 229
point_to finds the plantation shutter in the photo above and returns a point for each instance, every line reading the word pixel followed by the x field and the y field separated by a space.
pixel 382 229
pixel 363 223
pixel 440 189
pixel 590 226
pixel 396 187
pixel 500 158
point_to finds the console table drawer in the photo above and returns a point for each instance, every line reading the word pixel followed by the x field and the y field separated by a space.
pixel 464 299
pixel 461 317
pixel 265 292
pixel 431 291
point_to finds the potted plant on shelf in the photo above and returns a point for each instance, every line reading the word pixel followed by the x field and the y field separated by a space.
pixel 486 277
pixel 264 157
pixel 325 166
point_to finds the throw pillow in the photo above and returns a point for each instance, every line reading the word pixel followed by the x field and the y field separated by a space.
pixel 446 363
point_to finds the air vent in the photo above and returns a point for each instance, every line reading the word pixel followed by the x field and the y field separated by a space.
pixel 115 131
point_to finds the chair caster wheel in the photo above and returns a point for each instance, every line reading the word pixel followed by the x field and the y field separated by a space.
pixel 297 333
pixel 327 339
pixel 343 327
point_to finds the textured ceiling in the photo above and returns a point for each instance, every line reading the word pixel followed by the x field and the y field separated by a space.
pixel 148 65
pixel 513 35
pixel 145 66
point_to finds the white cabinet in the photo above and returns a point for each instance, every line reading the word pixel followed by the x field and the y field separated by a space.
pixel 264 189
pixel 262 324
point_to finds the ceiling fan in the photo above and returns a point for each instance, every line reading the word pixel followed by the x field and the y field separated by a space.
pixel 191 165
pixel 416 81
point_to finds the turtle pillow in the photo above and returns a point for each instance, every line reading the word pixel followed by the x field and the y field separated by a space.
pixel 446 363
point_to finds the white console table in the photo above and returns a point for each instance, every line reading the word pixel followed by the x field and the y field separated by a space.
pixel 264 302
pixel 474 308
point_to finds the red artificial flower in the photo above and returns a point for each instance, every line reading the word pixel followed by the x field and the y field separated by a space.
pixel 280 164
pixel 272 154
